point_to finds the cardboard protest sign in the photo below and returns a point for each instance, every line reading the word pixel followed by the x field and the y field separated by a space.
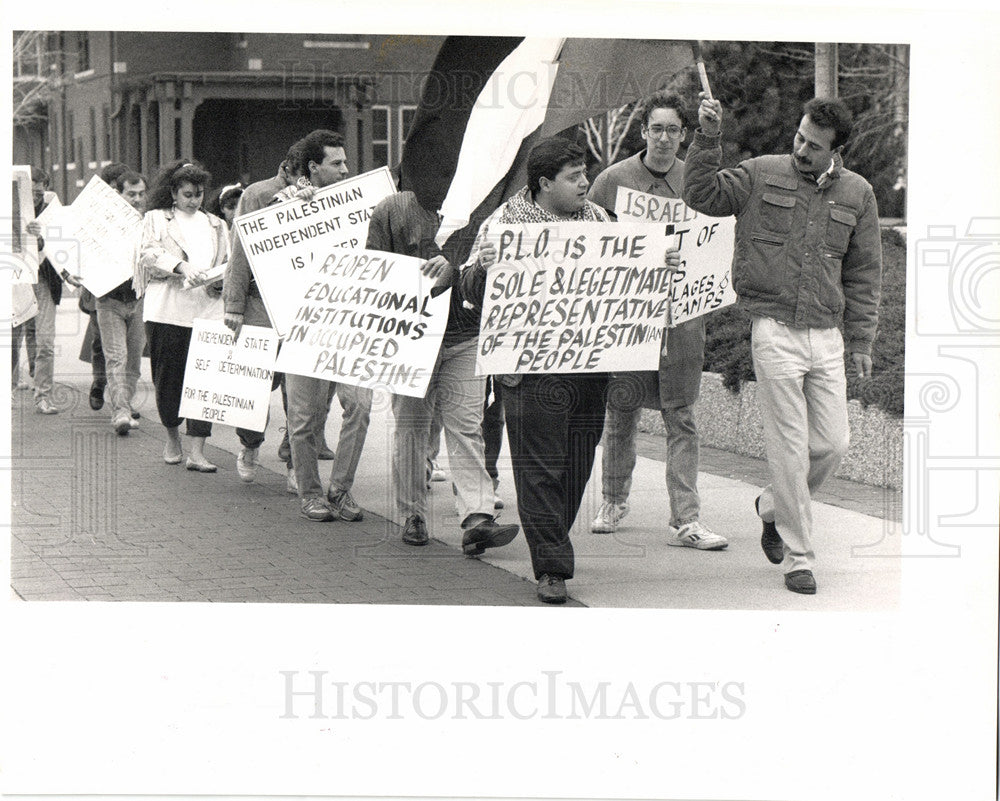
pixel 21 249
pixel 703 282
pixel 574 297
pixel 365 318
pixel 228 380
pixel 285 238
pixel 95 238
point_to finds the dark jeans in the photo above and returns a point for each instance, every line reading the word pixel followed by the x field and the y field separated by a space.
pixel 95 352
pixel 493 427
pixel 554 423
pixel 168 350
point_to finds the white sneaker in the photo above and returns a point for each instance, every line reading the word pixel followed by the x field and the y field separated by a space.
pixel 609 516
pixel 246 464
pixel 695 535
pixel 292 483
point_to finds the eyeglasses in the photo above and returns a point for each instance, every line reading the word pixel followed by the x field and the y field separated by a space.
pixel 657 131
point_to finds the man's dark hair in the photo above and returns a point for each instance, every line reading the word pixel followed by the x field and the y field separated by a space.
pixel 548 157
pixel 171 177
pixel 828 112
pixel 310 148
pixel 112 172
pixel 128 177
pixel 38 175
pixel 664 100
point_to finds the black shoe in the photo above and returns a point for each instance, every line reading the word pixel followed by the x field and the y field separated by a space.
pixel 770 540
pixel 96 397
pixel 552 589
pixel 801 581
pixel 487 534
pixel 415 531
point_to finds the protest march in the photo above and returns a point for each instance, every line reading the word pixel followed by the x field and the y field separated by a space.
pixel 493 274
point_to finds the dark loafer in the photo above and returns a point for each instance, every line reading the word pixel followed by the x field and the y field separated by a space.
pixel 415 531
pixel 552 589
pixel 801 581
pixel 96 397
pixel 770 540
pixel 487 534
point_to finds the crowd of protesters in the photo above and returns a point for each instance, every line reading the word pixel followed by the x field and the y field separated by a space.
pixel 807 257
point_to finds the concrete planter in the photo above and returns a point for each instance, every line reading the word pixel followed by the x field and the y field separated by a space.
pixel 732 422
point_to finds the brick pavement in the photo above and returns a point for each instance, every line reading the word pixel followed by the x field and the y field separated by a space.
pixel 100 517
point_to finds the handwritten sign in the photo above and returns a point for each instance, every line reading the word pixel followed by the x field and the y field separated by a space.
pixel 21 248
pixel 95 238
pixel 228 380
pixel 703 283
pixel 574 297
pixel 365 318
pixel 288 237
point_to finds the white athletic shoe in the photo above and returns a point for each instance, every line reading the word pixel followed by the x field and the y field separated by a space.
pixel 609 516
pixel 246 464
pixel 695 535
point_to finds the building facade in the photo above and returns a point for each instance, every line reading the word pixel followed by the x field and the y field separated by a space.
pixel 234 101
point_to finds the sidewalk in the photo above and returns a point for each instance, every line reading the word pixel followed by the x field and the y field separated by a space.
pixel 101 517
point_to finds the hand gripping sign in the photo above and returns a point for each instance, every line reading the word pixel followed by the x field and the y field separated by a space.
pixel 574 297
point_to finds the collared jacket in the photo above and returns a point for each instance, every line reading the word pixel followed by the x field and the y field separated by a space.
pixel 239 290
pixel 677 382
pixel 806 254
pixel 162 249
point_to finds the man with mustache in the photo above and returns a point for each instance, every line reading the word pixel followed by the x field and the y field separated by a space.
pixel 808 257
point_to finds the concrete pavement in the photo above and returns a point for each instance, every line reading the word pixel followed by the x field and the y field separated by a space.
pixel 101 517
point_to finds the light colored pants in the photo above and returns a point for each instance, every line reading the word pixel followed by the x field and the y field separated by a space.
pixel 618 460
pixel 308 401
pixel 123 337
pixel 802 389
pixel 456 394
pixel 45 341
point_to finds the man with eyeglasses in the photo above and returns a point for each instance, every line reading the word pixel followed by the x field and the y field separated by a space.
pixel 656 171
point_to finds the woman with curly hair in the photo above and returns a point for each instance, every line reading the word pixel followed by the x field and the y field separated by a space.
pixel 180 245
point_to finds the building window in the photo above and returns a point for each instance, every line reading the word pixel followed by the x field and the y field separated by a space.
pixel 82 51
pixel 93 134
pixel 107 133
pixel 381 135
pixel 406 115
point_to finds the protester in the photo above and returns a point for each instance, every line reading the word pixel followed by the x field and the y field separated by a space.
pixel 48 294
pixel 180 244
pixel 120 319
pixel 244 305
pixel 808 257
pixel 224 203
pixel 455 394
pixel 554 421
pixel 656 170
pixel 324 162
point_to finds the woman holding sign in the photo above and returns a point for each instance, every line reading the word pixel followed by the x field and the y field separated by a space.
pixel 181 244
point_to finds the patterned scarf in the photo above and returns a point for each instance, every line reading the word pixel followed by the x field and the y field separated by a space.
pixel 520 208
